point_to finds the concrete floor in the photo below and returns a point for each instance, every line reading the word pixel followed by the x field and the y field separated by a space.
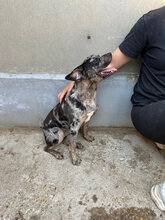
pixel 112 182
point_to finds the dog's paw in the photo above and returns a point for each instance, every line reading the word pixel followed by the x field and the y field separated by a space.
pixel 59 156
pixel 56 154
pixel 89 138
pixel 79 145
pixel 76 162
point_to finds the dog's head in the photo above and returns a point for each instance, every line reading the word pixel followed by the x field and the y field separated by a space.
pixel 93 68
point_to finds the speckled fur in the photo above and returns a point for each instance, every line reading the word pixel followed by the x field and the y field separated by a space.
pixel 65 119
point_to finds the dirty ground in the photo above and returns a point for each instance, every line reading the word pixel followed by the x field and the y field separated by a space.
pixel 112 183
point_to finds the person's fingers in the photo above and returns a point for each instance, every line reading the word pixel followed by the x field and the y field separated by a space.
pixel 68 92
pixel 61 98
pixel 61 95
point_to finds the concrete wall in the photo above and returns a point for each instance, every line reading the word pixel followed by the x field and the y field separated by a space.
pixel 52 35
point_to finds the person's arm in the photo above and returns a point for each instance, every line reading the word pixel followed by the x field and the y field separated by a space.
pixel 118 60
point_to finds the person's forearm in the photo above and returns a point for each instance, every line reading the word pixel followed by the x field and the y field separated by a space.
pixel 118 59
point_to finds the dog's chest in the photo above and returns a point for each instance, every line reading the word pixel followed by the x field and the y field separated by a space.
pixel 88 116
pixel 90 110
pixel 85 117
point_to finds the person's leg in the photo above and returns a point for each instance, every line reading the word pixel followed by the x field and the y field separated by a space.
pixel 149 120
pixel 158 196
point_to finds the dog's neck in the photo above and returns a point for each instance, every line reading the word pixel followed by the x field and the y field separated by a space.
pixel 86 85
pixel 85 89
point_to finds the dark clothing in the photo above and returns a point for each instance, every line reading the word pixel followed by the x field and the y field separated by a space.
pixel 149 120
pixel 147 38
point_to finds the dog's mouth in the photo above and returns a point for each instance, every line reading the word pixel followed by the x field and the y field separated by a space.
pixel 107 72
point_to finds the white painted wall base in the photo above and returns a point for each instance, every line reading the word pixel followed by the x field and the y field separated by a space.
pixel 26 99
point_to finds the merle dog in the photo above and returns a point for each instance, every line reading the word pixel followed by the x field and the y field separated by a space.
pixel 65 119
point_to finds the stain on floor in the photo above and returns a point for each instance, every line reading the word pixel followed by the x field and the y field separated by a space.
pixel 132 213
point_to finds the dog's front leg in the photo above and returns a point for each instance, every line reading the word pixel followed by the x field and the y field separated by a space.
pixel 72 149
pixel 85 129
pixel 85 132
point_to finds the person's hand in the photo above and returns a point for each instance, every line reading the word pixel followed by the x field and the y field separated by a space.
pixel 65 92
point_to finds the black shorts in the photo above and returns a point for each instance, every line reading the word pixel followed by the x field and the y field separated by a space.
pixel 149 120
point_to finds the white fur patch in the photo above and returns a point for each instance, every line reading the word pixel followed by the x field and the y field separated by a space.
pixel 89 115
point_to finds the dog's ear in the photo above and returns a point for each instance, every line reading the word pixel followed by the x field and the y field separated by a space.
pixel 75 75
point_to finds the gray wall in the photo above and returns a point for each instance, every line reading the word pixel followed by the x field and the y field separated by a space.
pixel 51 35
